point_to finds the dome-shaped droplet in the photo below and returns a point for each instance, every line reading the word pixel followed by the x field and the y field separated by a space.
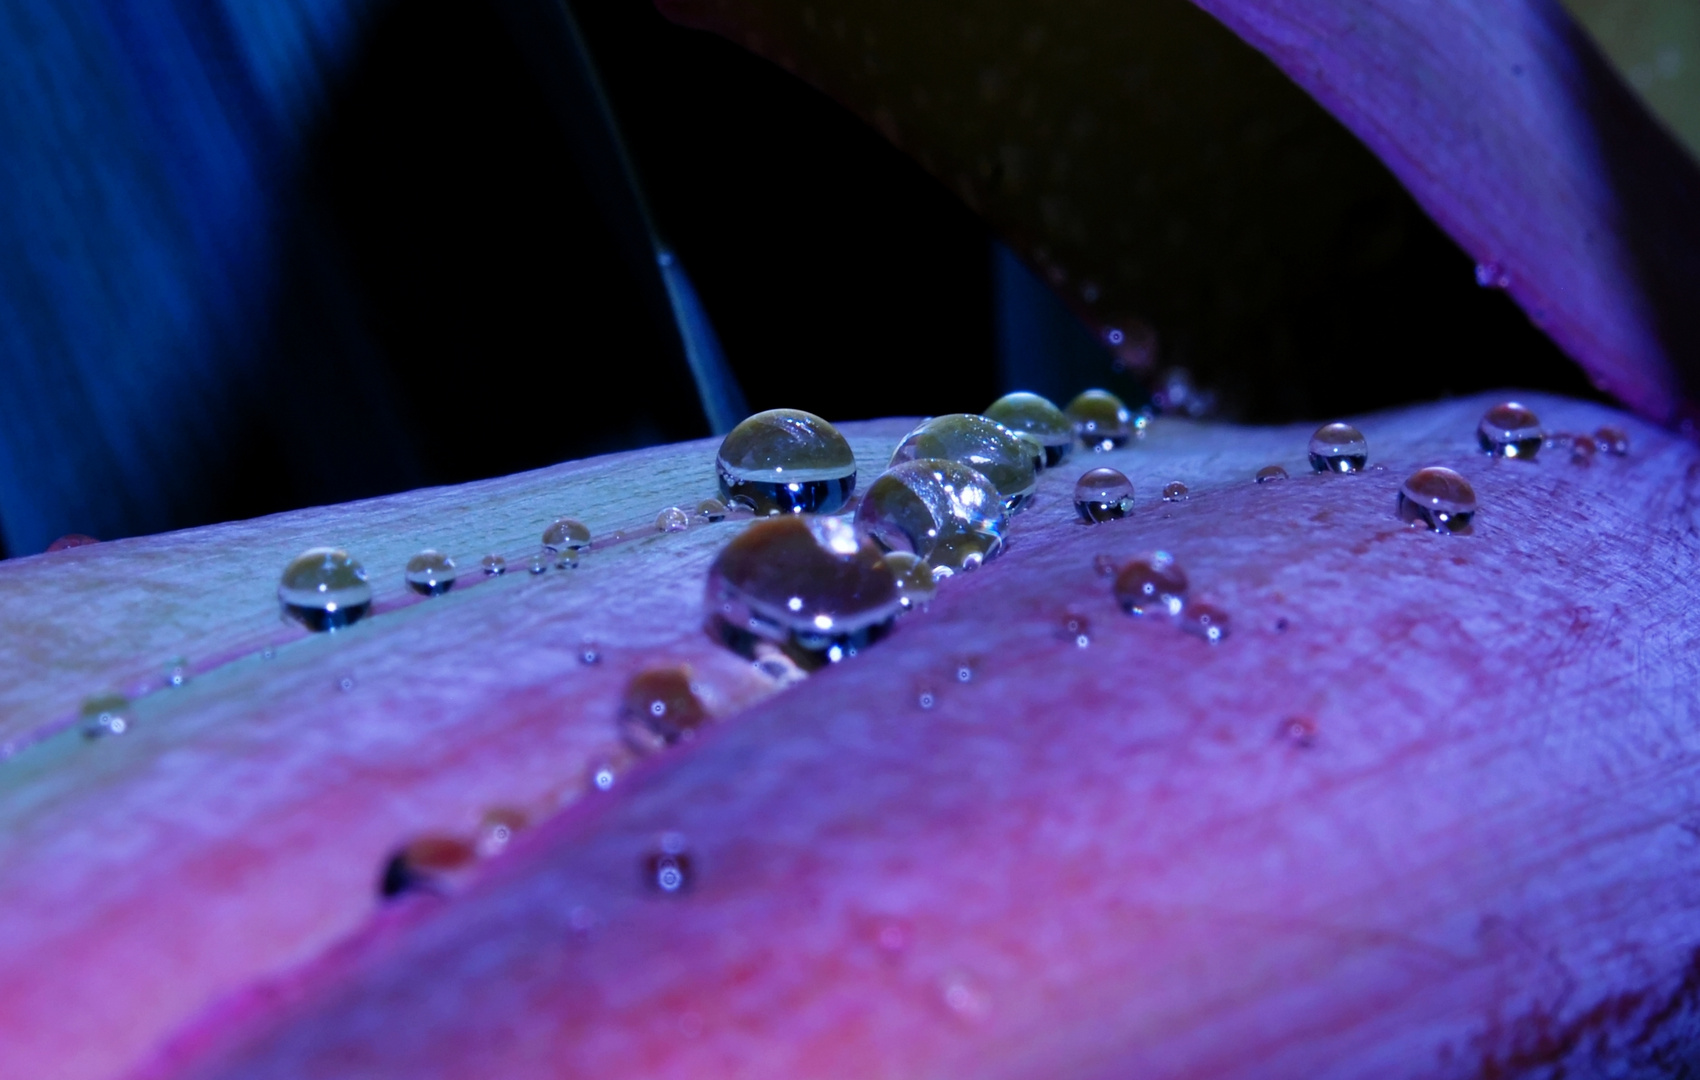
pixel 566 534
pixel 787 461
pixel 1270 473
pixel 1206 621
pixel 1036 417
pixel 539 562
pixel 983 445
pixel 961 553
pixel 105 714
pixel 1438 499
pixel 1151 585
pixel 493 565
pixel 430 573
pixel 668 869
pixel 429 864
pixel 711 510
pixel 810 584
pixel 1582 450
pixel 915 584
pixel 1103 495
pixel 325 589
pixel 1101 420
pixel 71 540
pixel 914 506
pixel 1076 629
pixel 1339 448
pixel 1510 430
pixel 1106 565
pixel 1175 491
pixel 672 519
pixel 1613 440
pixel 659 708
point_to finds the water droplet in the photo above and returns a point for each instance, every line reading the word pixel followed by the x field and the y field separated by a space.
pixel 345 683
pixel 176 672
pixel 430 573
pixel 1298 731
pixel 1175 491
pixel 494 565
pixel 429 864
pixel 915 505
pixel 965 997
pixel 1151 584
pixel 1491 275
pixel 603 776
pixel 787 461
pixel 566 534
pixel 268 653
pixel 1509 430
pixel 1582 450
pixel 497 829
pixel 672 520
pixel 538 563
pixel 1339 448
pixel 1077 629
pixel 1106 565
pixel 1271 473
pixel 324 589
pixel 1206 621
pixel 668 869
pixel 1438 499
pixel 1613 440
pixel 589 652
pixel 105 714
pixel 983 445
pixel 71 540
pixel 738 506
pixel 961 553
pixel 660 707
pixel 1103 495
pixel 1036 417
pixel 915 583
pixel 811 585
pixel 926 697
pixel 1101 420
pixel 711 510
pixel 965 669
pixel 566 559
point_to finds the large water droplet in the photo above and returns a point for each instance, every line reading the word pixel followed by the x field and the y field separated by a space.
pixel 671 520
pixel 787 461
pixel 1101 420
pixel 983 445
pixel 915 582
pixel 915 505
pixel 105 714
pixel 668 869
pixel 1613 440
pixel 429 864
pixel 566 534
pixel 325 589
pixel 1438 499
pixel 1175 491
pixel 1036 417
pixel 1339 448
pixel 659 708
pixel 494 565
pixel 1103 495
pixel 711 510
pixel 430 573
pixel 1206 621
pixel 1152 584
pixel 1510 430
pixel 1271 473
pixel 811 585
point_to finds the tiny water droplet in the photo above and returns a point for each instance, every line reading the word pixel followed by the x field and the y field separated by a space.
pixel 1039 419
pixel 809 584
pixel 566 534
pixel 176 672
pixel 671 520
pixel 739 506
pixel 916 505
pixel 659 708
pixel 961 553
pixel 603 776
pixel 430 573
pixel 1103 495
pixel 915 583
pixel 1151 585
pixel 965 669
pixel 69 541
pixel 268 653
pixel 497 829
pixel 1338 448
pixel 711 510
pixel 1271 473
pixel 1491 275
pixel 494 565
pixel 1298 731
pixel 1206 621
pixel 430 864
pixel 1101 420
pixel 105 714
pixel 1613 440
pixel 324 589
pixel 668 869
pixel 566 559
pixel 980 443
pixel 1582 450
pixel 1438 499
pixel 1509 430
pixel 786 461
pixel 926 697
pixel 964 996
pixel 1076 629
pixel 589 652
pixel 538 563
pixel 1106 565
pixel 345 683
pixel 1175 491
